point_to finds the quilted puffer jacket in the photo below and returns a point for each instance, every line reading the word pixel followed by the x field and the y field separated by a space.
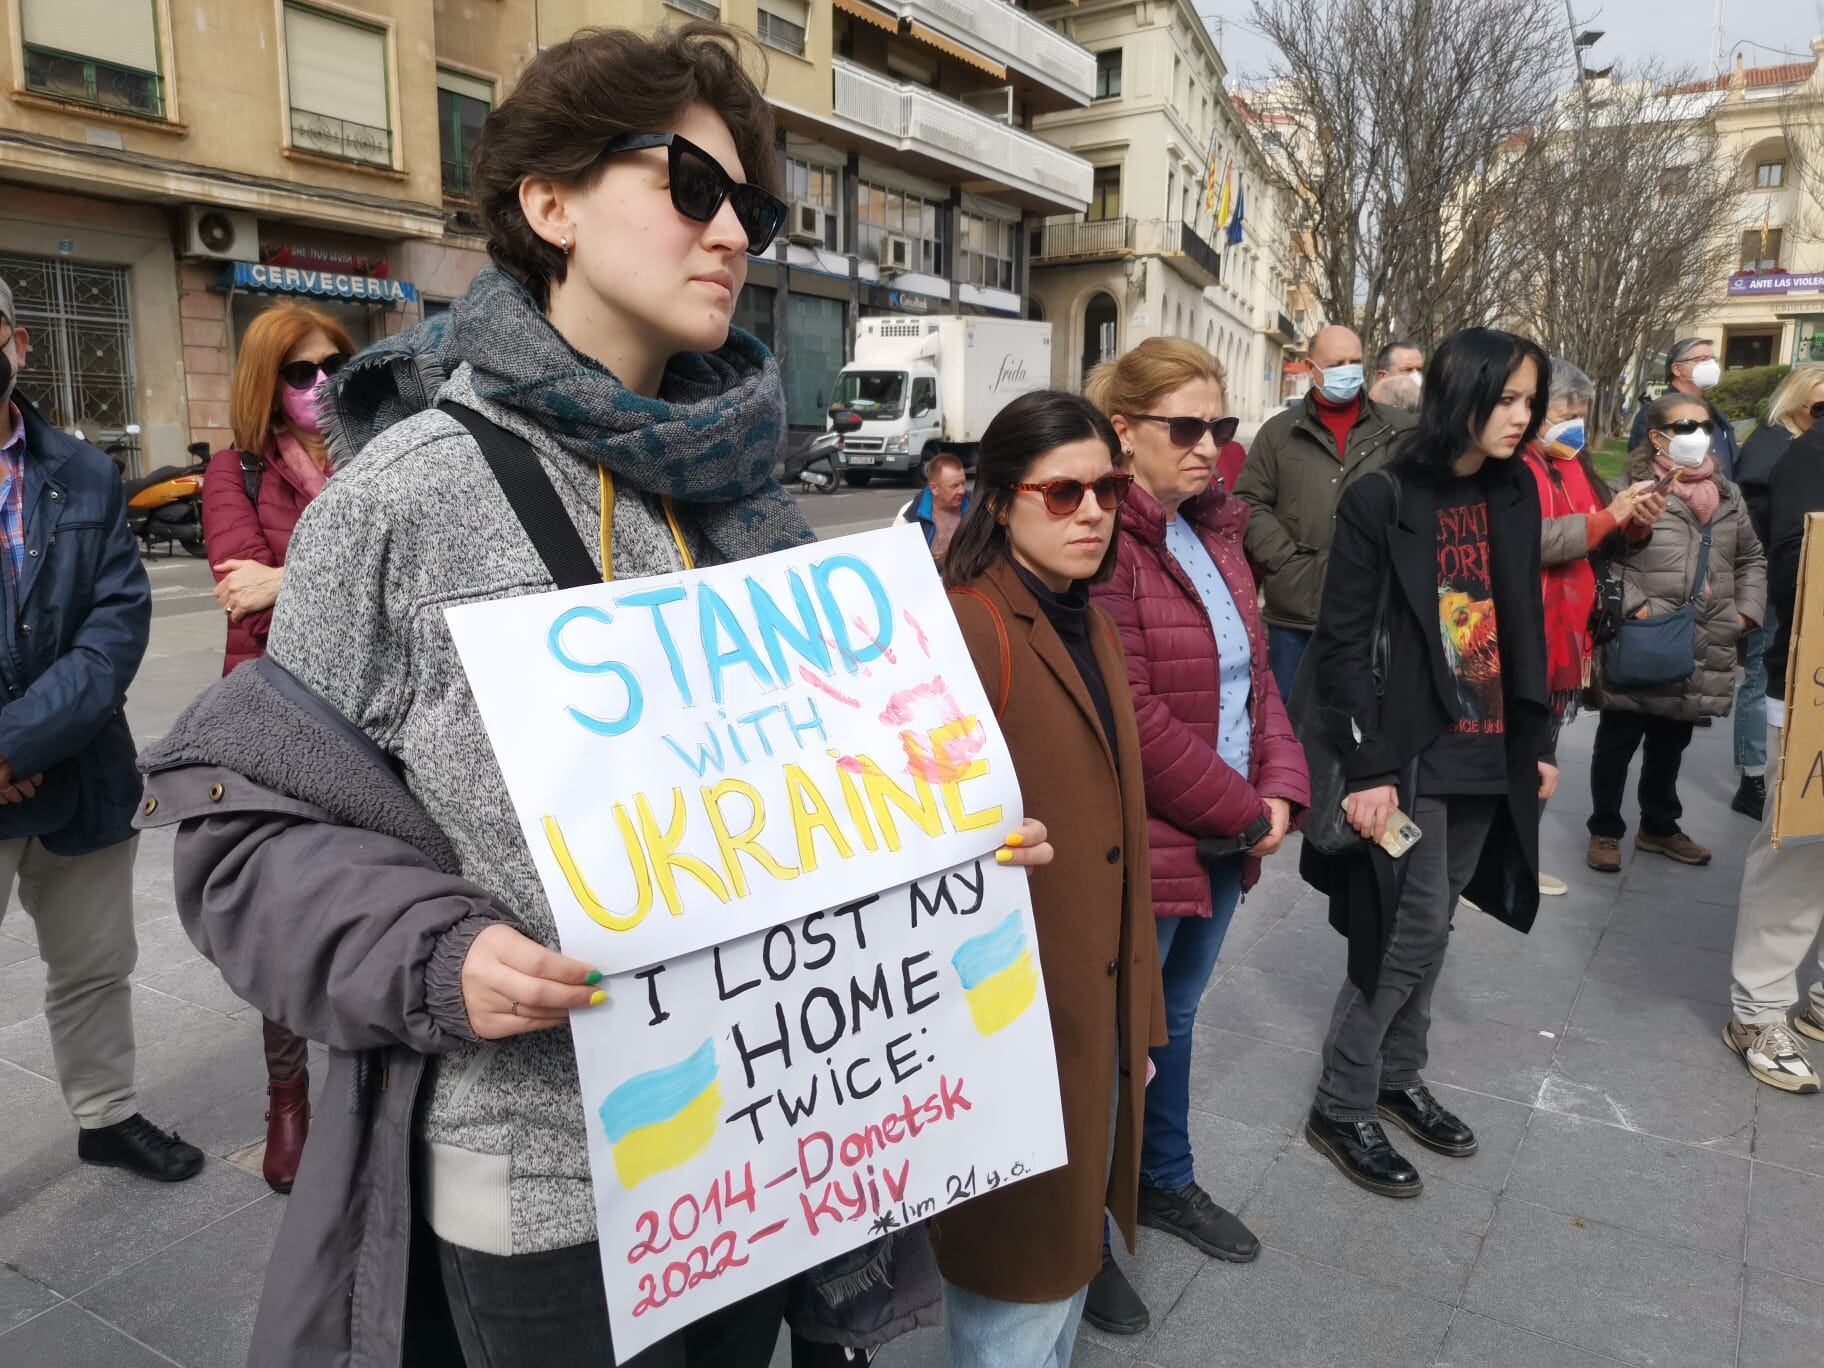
pixel 1173 673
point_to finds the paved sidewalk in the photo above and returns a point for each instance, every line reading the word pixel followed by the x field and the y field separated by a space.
pixel 1637 1199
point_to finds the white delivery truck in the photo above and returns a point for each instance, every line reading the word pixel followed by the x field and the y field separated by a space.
pixel 925 385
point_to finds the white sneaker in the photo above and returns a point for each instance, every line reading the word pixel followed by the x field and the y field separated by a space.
pixel 1551 886
pixel 1773 1055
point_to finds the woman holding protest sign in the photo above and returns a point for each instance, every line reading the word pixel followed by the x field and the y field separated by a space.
pixel 583 412
pixel 1017 1263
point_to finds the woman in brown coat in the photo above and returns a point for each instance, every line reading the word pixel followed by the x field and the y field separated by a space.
pixel 1017 1262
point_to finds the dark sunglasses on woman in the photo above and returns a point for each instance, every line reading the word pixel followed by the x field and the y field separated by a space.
pixel 1185 433
pixel 1064 497
pixel 1685 426
pixel 699 185
pixel 302 375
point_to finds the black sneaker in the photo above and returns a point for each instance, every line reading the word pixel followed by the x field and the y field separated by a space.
pixel 140 1146
pixel 1190 1214
pixel 1751 797
pixel 1113 1306
pixel 1360 1150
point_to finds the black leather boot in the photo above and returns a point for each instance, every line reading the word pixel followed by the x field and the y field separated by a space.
pixel 1113 1306
pixel 1416 1111
pixel 1361 1151
pixel 140 1146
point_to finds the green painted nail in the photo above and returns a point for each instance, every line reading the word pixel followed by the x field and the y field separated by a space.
pixel 593 977
pixel 597 998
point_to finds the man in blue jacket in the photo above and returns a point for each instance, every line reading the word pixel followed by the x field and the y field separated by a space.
pixel 940 510
pixel 77 612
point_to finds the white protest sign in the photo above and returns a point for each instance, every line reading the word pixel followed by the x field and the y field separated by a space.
pixel 698 756
pixel 760 1107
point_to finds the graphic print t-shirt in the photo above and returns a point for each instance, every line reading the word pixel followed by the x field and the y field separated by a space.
pixel 1471 756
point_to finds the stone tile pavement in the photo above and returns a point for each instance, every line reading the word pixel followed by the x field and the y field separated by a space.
pixel 1637 1198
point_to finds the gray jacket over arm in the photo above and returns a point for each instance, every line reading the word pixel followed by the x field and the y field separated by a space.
pixel 307 873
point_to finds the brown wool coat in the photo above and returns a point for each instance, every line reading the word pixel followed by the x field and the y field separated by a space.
pixel 1040 1239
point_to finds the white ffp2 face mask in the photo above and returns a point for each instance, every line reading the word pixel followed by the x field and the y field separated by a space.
pixel 1705 374
pixel 1688 449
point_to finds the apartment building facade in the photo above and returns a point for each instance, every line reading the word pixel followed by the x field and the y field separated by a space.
pixel 1148 257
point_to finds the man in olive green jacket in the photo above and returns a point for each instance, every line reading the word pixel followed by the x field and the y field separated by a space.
pixel 1297 469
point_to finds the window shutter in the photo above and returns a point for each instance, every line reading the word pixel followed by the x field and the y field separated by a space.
pixel 336 68
pixel 120 32
pixel 473 87
pixel 792 11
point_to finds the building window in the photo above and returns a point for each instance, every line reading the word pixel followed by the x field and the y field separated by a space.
pixel 881 212
pixel 783 24
pixel 1761 250
pixel 1105 194
pixel 338 80
pixel 986 254
pixel 1108 75
pixel 1769 175
pixel 98 52
pixel 463 103
pixel 702 9
pixel 819 185
pixel 1674 180
pixel 814 332
pixel 754 313
pixel 77 313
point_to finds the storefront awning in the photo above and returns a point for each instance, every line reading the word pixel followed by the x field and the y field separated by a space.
pixel 868 14
pixel 932 38
pixel 248 275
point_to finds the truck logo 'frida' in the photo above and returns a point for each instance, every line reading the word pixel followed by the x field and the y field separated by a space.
pixel 1013 372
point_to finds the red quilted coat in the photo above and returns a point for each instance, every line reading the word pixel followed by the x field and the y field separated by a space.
pixel 1172 672
pixel 235 530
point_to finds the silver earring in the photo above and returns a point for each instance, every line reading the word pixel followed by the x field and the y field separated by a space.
pixel 563 245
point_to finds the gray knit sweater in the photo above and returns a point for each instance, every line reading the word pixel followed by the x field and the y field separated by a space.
pixel 416 524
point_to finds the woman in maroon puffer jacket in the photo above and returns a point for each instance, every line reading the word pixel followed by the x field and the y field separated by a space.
pixel 1223 770
pixel 253 494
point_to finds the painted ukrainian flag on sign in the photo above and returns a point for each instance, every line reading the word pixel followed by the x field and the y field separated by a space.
pixel 999 978
pixel 663 1118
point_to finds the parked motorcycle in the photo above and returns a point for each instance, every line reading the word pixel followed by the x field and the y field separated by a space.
pixel 817 469
pixel 167 504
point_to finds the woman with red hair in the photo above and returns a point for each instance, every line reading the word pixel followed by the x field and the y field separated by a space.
pixel 253 494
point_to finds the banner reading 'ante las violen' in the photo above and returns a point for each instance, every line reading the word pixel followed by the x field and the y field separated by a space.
pixel 698 756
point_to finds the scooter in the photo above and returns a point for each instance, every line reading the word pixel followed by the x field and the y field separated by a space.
pixel 817 467
pixel 167 504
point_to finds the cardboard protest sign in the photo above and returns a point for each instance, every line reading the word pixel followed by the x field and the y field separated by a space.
pixel 695 757
pixel 1798 802
pixel 763 1106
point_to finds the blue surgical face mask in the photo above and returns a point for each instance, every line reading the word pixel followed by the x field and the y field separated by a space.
pixel 1564 439
pixel 1343 383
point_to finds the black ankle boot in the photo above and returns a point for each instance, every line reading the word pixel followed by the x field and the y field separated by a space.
pixel 1416 1111
pixel 1751 796
pixel 1361 1151
pixel 1113 1306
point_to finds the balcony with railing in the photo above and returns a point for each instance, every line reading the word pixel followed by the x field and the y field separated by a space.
pixel 1183 249
pixel 329 136
pixel 1070 240
pixel 1011 37
pixel 935 135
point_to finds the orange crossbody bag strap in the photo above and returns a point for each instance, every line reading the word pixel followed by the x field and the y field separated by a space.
pixel 1000 638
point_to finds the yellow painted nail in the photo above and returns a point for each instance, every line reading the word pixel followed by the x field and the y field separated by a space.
pixel 1003 857
pixel 1015 840
pixel 597 998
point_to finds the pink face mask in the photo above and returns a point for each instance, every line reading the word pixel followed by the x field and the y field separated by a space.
pixel 300 407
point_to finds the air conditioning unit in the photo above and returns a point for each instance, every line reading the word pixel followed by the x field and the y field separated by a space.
pixel 220 234
pixel 895 253
pixel 806 223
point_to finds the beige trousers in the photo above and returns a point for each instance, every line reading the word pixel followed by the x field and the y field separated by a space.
pixel 82 906
pixel 1778 920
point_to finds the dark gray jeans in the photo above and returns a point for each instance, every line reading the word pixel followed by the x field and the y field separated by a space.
pixel 1379 1042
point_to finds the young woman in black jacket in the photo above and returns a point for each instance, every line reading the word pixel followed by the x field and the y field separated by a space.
pixel 1460 741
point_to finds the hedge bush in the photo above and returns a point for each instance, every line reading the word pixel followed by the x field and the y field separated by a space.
pixel 1743 393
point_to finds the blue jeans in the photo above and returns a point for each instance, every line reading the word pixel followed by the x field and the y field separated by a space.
pixel 985 1332
pixel 1188 947
pixel 1751 699
pixel 1285 649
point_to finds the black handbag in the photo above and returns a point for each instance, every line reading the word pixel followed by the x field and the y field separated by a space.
pixel 1660 651
pixel 1326 827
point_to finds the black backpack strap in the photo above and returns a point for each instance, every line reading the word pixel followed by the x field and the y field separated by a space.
pixel 533 497
pixel 253 469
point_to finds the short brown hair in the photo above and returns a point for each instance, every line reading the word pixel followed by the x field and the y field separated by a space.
pixel 600 84
pixel 942 461
pixel 270 338
pixel 1148 373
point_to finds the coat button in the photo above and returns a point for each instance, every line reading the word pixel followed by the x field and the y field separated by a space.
pixel 25 629
pixel 215 793
pixel 32 552
pixel 149 807
pixel 1114 854
pixel 1114 967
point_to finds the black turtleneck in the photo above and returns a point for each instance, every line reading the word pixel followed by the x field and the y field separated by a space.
pixel 1068 614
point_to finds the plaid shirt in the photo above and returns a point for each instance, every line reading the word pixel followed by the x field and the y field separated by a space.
pixel 12 498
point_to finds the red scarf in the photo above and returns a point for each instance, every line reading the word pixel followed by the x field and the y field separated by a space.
pixel 1569 589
